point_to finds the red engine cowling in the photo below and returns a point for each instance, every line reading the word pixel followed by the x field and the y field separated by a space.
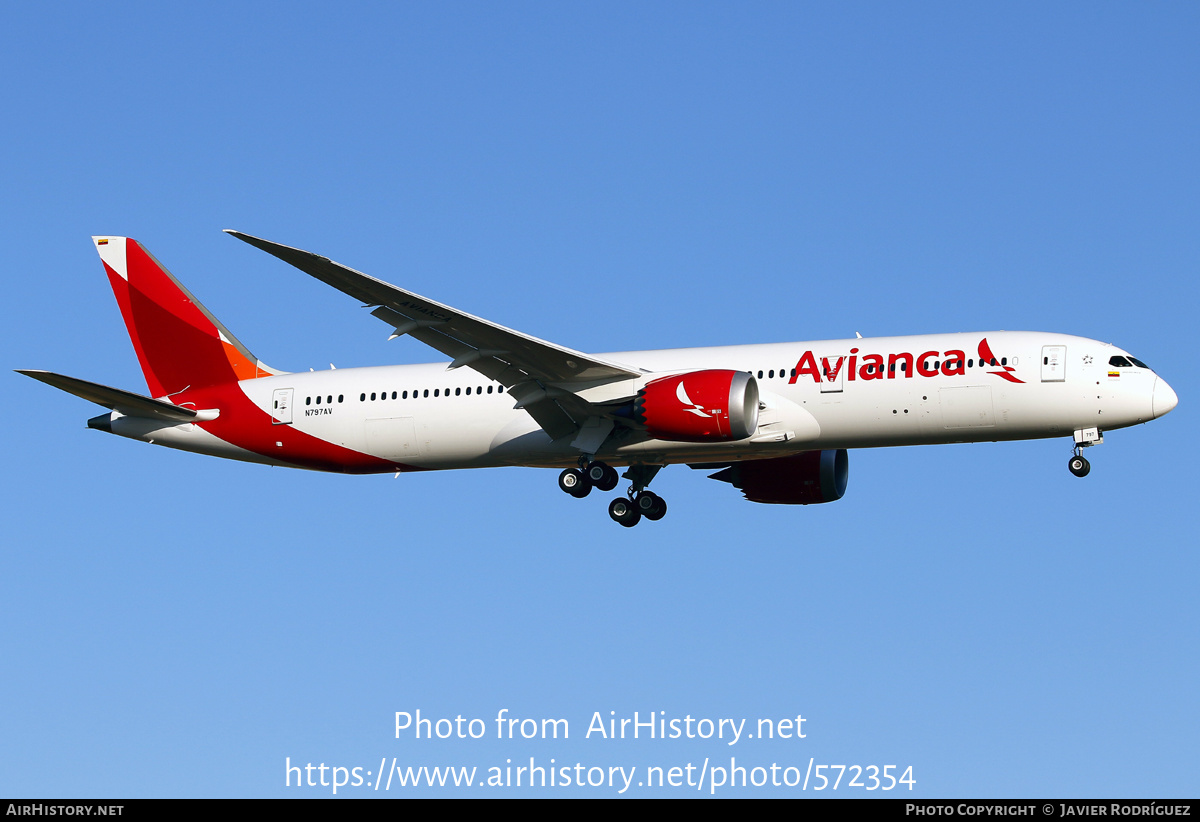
pixel 700 406
pixel 801 479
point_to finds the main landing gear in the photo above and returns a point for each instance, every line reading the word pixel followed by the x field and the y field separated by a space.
pixel 629 512
pixel 578 482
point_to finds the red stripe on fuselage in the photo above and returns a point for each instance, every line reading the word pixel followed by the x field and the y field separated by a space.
pixel 244 424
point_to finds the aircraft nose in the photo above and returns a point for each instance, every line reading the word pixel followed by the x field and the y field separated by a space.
pixel 1164 397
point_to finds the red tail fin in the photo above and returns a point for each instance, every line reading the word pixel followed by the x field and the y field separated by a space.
pixel 178 342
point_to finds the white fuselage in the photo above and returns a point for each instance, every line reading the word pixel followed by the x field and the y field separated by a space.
pixel 813 395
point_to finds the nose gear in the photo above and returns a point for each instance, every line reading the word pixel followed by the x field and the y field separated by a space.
pixel 1084 438
pixel 1078 464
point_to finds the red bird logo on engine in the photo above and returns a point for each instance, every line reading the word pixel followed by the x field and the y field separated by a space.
pixel 686 400
pixel 725 408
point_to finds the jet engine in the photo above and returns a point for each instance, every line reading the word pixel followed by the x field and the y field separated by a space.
pixel 700 406
pixel 801 479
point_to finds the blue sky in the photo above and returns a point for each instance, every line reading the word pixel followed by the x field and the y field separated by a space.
pixel 610 177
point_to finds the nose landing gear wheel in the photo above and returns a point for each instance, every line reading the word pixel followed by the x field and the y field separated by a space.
pixel 1079 466
pixel 574 483
pixel 624 512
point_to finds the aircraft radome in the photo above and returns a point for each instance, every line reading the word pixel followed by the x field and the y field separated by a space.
pixel 774 420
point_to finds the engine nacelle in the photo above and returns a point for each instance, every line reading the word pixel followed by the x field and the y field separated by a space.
pixel 801 479
pixel 700 406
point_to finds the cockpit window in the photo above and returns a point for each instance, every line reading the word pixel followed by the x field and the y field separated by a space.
pixel 1120 362
pixel 1140 364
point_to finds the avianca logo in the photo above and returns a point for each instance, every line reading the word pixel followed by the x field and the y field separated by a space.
pixel 682 396
pixel 872 367
pixel 986 356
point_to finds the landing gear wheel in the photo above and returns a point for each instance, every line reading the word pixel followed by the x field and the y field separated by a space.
pixel 651 505
pixel 1079 466
pixel 624 512
pixel 602 476
pixel 574 483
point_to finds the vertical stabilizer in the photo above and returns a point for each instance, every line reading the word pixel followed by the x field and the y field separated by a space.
pixel 178 342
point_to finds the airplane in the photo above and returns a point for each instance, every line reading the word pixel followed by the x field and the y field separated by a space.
pixel 775 421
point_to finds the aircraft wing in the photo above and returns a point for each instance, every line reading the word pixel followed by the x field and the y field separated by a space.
pixel 537 373
pixel 124 402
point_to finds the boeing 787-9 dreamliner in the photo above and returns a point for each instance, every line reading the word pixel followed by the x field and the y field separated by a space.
pixel 776 421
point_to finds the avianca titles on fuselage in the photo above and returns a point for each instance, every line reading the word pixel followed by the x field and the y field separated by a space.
pixel 773 420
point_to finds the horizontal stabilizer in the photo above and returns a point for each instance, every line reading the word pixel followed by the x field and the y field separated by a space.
pixel 124 402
